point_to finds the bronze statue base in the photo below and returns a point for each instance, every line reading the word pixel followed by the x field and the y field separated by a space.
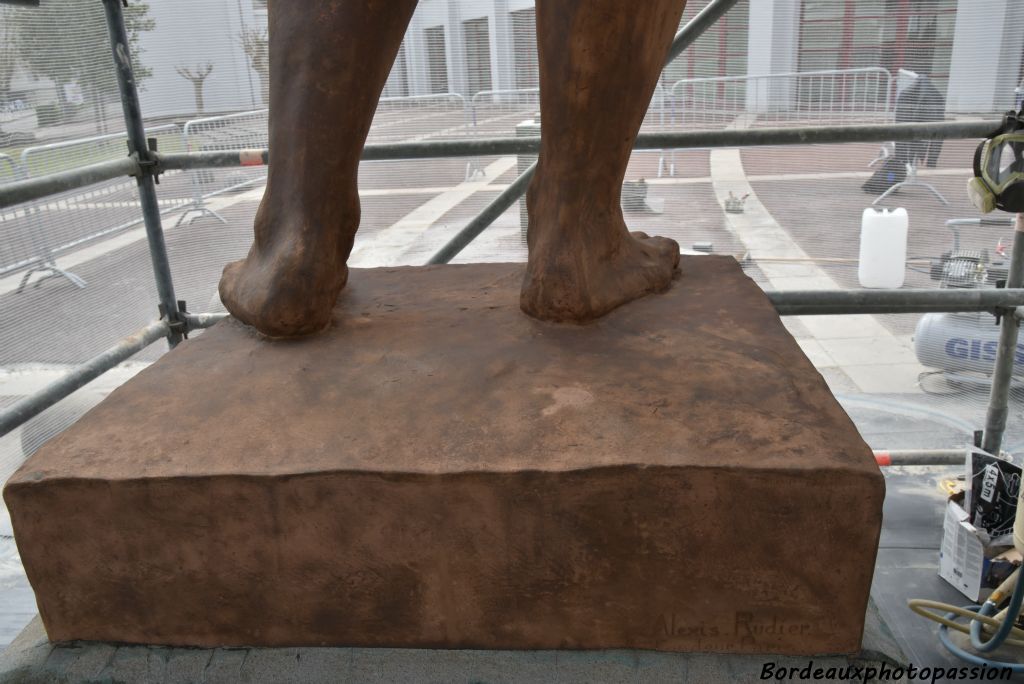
pixel 439 470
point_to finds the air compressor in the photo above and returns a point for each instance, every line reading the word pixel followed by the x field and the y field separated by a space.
pixel 963 345
pixel 959 343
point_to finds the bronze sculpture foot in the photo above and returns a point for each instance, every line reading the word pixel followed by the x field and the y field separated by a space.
pixel 329 61
pixel 288 292
pixel 638 266
pixel 581 272
pixel 600 61
pixel 595 89
pixel 288 284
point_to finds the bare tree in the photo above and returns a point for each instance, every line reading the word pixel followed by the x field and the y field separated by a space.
pixel 197 76
pixel 66 41
pixel 257 48
pixel 9 47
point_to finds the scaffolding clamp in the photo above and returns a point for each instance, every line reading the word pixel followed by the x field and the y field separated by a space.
pixel 177 322
pixel 148 163
pixel 1001 311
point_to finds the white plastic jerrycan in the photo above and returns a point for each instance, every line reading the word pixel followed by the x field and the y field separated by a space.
pixel 883 248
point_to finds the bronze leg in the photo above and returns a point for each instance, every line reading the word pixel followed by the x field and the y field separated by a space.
pixel 329 60
pixel 599 65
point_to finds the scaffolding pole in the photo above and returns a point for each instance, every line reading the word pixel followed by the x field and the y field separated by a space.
pixel 920 457
pixel 34 404
pixel 39 187
pixel 823 302
pixel 1002 374
pixel 146 178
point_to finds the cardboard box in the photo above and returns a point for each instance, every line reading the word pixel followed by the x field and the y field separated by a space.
pixel 962 560
pixel 978 526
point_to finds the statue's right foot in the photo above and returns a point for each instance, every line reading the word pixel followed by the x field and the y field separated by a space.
pixel 583 260
pixel 287 290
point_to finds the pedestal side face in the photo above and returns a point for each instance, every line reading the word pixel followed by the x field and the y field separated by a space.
pixel 701 559
pixel 439 470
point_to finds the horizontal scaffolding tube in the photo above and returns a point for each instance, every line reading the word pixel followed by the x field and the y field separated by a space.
pixel 747 137
pixel 33 405
pixel 920 457
pixel 815 302
pixel 821 302
pixel 817 135
pixel 787 302
pixel 36 188
pixel 221 159
pixel 43 186
pixel 204 320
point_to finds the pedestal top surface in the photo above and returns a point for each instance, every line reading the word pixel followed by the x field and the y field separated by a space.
pixel 435 370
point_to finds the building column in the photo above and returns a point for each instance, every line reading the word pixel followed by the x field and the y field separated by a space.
pixel 985 64
pixel 416 56
pixel 457 79
pixel 772 48
pixel 503 70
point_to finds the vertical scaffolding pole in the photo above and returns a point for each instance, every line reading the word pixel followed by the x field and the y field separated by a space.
pixel 1002 374
pixel 146 178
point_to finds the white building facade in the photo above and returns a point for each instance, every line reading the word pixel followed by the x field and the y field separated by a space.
pixel 972 49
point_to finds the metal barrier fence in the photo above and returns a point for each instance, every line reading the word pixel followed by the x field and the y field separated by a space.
pixel 658 109
pixel 8 169
pixel 863 95
pixel 499 110
pixel 502 111
pixel 824 96
pixel 38 232
pixel 244 130
pixel 850 94
pixel 409 118
pixel 33 235
pixel 490 106
pixel 438 116
pixel 658 117
pixel 12 256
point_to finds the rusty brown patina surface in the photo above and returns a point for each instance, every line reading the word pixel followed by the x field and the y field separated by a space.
pixel 600 61
pixel 438 470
